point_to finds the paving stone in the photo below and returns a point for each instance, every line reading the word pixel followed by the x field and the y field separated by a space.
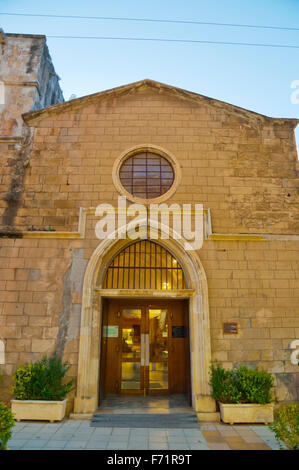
pixel 260 446
pixel 139 432
pixel 65 437
pixel 96 447
pixel 158 447
pixel 198 435
pixel 236 443
pixel 52 448
pixel 75 445
pixel 228 432
pixel 35 444
pixel 175 432
pixel 104 431
pixel 121 431
pixel 17 443
pixel 53 443
pixel 179 447
pixel 199 447
pixel 118 446
pixel 138 439
pixel 79 435
pixel 253 439
pixel 174 440
pixel 219 446
pixel 158 432
pixel 208 427
pixel 274 445
pixel 28 435
pixel 156 442
pixel 138 447
pixel 196 441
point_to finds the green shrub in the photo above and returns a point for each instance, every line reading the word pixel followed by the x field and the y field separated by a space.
pixel 223 387
pixel 6 424
pixel 241 385
pixel 286 426
pixel 42 380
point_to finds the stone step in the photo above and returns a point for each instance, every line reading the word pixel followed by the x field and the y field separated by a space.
pixel 138 420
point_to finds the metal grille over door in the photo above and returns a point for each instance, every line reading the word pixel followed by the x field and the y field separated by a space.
pixel 144 265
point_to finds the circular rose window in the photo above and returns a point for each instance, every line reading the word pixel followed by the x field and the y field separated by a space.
pixel 146 175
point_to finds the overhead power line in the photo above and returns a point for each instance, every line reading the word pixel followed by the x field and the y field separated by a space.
pixel 154 20
pixel 289 46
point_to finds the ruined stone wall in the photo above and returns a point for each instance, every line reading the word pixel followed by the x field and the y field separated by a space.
pixel 30 81
pixel 244 170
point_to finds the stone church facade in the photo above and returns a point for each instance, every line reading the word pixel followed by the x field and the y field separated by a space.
pixel 238 294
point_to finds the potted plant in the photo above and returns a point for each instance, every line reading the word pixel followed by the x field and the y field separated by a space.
pixel 39 390
pixel 244 395
pixel 6 424
pixel 286 426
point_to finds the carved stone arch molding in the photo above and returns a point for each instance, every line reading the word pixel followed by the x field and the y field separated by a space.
pixel 86 400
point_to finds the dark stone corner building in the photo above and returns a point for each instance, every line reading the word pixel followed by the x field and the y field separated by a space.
pixel 143 316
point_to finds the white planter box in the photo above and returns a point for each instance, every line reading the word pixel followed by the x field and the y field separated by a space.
pixel 246 413
pixel 38 410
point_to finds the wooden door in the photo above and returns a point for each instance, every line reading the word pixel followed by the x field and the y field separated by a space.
pixel 145 347
pixel 179 355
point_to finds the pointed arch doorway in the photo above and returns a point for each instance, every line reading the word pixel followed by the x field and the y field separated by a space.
pixel 95 297
pixel 145 342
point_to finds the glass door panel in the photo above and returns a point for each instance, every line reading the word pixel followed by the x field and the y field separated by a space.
pixel 144 350
pixel 158 376
pixel 158 349
pixel 130 349
pixel 130 376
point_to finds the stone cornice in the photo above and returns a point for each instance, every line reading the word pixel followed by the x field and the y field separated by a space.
pixel 10 139
pixel 34 36
pixel 152 293
pixel 33 84
pixel 209 235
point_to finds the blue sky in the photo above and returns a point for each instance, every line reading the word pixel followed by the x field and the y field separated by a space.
pixel 255 78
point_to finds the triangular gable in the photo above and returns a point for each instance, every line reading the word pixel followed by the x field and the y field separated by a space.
pixel 159 87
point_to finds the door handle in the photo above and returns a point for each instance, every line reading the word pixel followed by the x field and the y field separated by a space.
pixel 144 349
pixel 146 359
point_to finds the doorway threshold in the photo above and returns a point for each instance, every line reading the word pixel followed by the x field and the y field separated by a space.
pixel 149 404
pixel 123 411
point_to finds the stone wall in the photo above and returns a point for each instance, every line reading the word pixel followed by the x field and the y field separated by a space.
pixel 240 166
pixel 252 283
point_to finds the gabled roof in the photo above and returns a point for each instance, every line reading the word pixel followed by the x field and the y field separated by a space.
pixel 159 87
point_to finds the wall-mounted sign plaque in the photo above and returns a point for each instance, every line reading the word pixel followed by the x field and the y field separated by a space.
pixel 178 332
pixel 230 328
pixel 110 331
